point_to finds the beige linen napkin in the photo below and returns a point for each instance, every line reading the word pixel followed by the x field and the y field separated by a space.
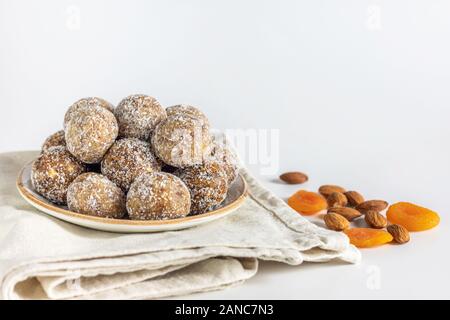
pixel 44 258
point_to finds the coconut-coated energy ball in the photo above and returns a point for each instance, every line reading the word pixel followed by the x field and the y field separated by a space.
pixel 90 133
pixel 55 140
pixel 80 104
pixel 95 195
pixel 138 116
pixel 185 109
pixel 208 186
pixel 181 141
pixel 127 159
pixel 53 172
pixel 158 196
pixel 223 155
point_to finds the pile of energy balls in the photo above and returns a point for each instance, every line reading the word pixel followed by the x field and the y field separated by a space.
pixel 135 161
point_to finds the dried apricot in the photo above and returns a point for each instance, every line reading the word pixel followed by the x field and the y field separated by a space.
pixel 367 238
pixel 307 203
pixel 412 217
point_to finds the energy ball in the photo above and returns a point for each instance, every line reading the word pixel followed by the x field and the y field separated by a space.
pixel 208 186
pixel 80 104
pixel 222 154
pixel 53 172
pixel 158 196
pixel 138 116
pixel 185 109
pixel 127 159
pixel 181 141
pixel 55 140
pixel 90 133
pixel 95 195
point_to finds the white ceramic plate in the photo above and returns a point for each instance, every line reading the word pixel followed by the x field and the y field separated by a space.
pixel 235 198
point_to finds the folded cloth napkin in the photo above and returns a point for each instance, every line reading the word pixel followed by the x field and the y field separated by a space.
pixel 44 258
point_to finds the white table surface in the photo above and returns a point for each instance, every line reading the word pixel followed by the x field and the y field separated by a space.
pixel 358 91
pixel 417 270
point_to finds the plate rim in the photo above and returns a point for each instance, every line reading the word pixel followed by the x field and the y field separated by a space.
pixel 23 190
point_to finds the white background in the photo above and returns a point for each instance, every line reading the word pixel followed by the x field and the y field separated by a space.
pixel 360 91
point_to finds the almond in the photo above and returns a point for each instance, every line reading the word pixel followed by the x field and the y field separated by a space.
pixel 328 189
pixel 354 198
pixel 348 213
pixel 336 222
pixel 294 177
pixel 399 233
pixel 376 205
pixel 375 219
pixel 337 199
